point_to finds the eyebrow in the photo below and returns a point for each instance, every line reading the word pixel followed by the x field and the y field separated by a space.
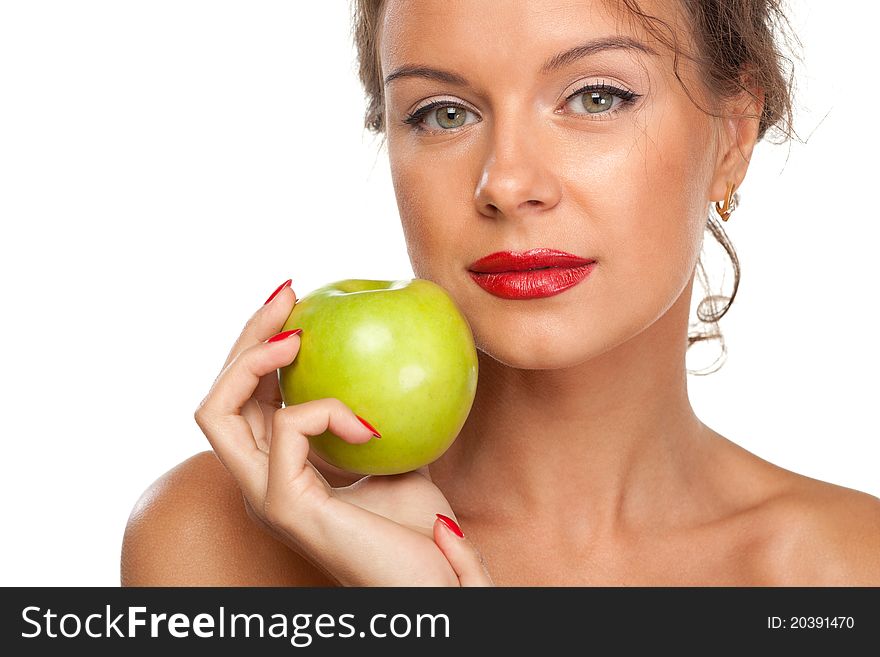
pixel 556 62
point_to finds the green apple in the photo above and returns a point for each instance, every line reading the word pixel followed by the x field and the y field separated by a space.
pixel 398 353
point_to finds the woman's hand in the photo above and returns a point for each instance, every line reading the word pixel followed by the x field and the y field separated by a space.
pixel 378 531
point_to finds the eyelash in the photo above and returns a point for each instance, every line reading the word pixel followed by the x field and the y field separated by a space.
pixel 626 97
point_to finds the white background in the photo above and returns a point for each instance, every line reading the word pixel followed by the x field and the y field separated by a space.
pixel 165 164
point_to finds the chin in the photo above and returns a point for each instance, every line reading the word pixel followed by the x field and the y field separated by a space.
pixel 535 353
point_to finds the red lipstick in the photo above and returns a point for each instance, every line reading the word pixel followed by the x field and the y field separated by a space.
pixel 531 274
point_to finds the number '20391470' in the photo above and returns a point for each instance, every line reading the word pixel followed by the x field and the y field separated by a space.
pixel 810 622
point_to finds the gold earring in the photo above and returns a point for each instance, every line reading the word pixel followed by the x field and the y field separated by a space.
pixel 725 210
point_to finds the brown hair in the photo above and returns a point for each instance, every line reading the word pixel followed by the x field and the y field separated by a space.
pixel 741 45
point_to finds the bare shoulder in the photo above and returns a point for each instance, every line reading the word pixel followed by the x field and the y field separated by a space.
pixel 795 530
pixel 825 535
pixel 191 528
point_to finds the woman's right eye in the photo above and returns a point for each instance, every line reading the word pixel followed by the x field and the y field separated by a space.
pixel 445 115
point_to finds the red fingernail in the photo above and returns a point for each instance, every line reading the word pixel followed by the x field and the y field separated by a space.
pixel 449 522
pixel 284 334
pixel 278 289
pixel 368 426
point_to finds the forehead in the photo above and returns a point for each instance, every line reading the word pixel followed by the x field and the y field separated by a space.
pixel 519 34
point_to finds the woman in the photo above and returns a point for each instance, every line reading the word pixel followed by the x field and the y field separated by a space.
pixel 611 131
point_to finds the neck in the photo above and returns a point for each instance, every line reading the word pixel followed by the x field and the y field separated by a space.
pixel 615 436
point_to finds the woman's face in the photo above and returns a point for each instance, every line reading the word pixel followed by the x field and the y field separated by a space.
pixel 518 156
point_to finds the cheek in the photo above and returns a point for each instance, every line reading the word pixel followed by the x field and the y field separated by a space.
pixel 432 201
pixel 410 191
pixel 434 198
pixel 648 205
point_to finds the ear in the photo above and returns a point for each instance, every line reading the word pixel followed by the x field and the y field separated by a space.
pixel 738 134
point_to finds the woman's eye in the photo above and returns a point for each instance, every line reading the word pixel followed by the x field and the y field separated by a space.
pixel 604 100
pixel 439 116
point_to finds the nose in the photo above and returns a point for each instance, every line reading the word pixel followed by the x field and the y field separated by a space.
pixel 517 179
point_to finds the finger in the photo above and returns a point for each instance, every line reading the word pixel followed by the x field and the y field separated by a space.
pixel 237 382
pixel 233 444
pixel 259 418
pixel 219 417
pixel 289 450
pixel 265 322
pixel 460 552
pixel 267 391
pixel 291 488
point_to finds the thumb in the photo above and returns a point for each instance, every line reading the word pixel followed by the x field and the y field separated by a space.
pixel 460 552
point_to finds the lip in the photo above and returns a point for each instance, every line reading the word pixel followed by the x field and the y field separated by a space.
pixel 532 274
pixel 506 261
